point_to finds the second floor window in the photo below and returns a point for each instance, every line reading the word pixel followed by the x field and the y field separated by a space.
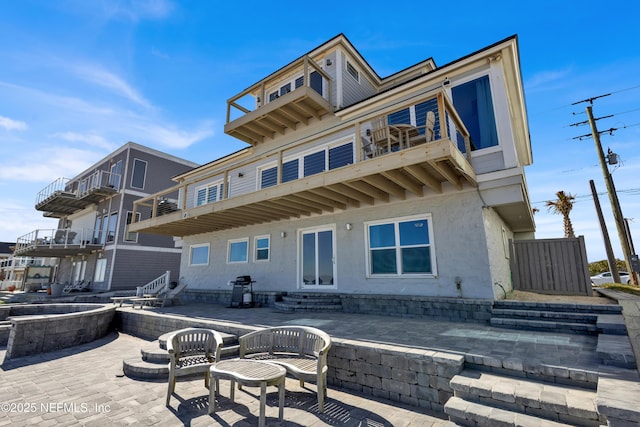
pixel 111 228
pixel 139 173
pixel 114 174
pixel 309 164
pixel 474 104
pixel 209 194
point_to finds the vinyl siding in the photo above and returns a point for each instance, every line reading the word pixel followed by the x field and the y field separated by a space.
pixel 137 268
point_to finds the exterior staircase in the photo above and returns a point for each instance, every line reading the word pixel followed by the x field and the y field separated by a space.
pixel 5 330
pixel 503 398
pixel 604 320
pixel 154 361
pixel 309 302
pixel 558 317
pixel 514 395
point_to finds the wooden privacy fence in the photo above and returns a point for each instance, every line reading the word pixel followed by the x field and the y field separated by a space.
pixel 550 266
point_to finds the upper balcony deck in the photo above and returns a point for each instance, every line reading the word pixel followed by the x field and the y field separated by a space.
pixel 65 197
pixel 58 242
pixel 409 159
pixel 301 92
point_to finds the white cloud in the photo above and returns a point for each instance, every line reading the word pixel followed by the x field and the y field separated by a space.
pixel 109 80
pixel 46 164
pixel 543 80
pixel 176 138
pixel 10 124
pixel 87 138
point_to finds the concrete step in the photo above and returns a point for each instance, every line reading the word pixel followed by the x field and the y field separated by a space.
pixel 618 397
pixel 556 306
pixel 465 413
pixel 152 353
pixel 539 324
pixel 311 299
pixel 5 330
pixel 309 302
pixel 611 324
pixel 154 358
pixel 616 350
pixel 282 306
pixel 557 316
pixel 524 396
pixel 141 369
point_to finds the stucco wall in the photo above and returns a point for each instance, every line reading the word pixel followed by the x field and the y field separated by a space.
pixel 498 235
pixel 459 238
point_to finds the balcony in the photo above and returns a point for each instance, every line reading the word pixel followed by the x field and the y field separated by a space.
pixel 414 162
pixel 286 109
pixel 65 197
pixel 57 243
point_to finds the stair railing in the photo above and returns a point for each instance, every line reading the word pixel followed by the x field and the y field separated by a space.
pixel 155 286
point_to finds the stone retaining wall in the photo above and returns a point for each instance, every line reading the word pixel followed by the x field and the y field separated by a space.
pixel 40 328
pixel 447 309
pixel 412 376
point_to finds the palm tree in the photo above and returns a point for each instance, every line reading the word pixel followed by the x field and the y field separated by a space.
pixel 563 206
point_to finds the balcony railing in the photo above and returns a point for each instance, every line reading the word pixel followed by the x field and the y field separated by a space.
pixel 64 197
pixel 419 159
pixel 57 242
pixel 280 103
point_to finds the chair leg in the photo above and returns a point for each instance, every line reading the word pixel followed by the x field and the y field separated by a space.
pixel 171 387
pixel 207 384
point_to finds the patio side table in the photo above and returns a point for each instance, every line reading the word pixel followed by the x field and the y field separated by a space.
pixel 250 373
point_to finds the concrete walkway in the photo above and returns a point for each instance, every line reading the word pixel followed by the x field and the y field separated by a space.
pixel 84 386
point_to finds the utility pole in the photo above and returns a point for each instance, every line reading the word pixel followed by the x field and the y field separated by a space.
pixel 613 267
pixel 613 197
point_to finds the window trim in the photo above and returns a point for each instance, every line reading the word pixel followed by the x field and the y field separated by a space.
pixel 133 173
pixel 395 221
pixel 263 168
pixel 128 221
pixel 230 242
pixel 201 245
pixel 255 248
pixel 470 78
pixel 207 188
pixel 302 154
pixel 101 270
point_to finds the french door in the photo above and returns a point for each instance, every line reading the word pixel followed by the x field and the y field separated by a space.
pixel 317 258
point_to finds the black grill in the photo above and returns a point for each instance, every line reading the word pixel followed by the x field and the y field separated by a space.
pixel 243 280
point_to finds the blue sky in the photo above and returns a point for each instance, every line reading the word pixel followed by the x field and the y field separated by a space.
pixel 80 78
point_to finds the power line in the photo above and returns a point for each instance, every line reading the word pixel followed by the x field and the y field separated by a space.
pixel 586 197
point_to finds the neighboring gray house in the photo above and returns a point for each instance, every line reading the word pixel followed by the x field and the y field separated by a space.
pixel 411 184
pixel 95 208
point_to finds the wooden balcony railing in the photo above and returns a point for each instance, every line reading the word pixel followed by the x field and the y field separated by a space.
pixel 415 164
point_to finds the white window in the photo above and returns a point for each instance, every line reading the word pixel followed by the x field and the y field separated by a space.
pixel 401 247
pixel 101 269
pixel 309 163
pixel 353 71
pixel 238 251
pixel 262 245
pixel 209 193
pixel 199 254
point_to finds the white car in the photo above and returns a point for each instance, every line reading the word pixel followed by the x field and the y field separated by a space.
pixel 607 277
